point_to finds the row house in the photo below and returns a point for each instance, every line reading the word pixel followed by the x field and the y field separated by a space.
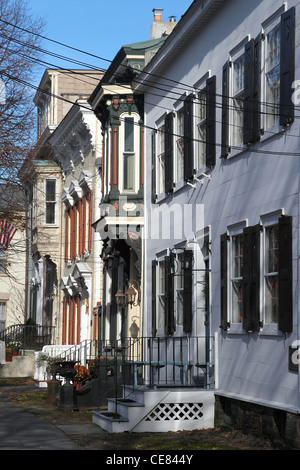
pixel 121 221
pixel 222 205
pixel 12 256
pixel 42 177
pixel 76 145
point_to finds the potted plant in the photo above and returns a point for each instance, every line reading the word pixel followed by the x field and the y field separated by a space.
pixel 8 353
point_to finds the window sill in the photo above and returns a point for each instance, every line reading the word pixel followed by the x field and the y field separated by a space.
pixel 161 197
pixel 179 185
pixel 270 329
pixel 238 151
pixel 236 329
pixel 272 132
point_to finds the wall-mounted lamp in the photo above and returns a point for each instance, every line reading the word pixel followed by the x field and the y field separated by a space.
pixel 129 298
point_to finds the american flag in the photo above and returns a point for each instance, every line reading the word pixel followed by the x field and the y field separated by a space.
pixel 6 233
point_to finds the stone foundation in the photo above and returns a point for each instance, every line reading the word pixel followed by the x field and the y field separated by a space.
pixel 280 427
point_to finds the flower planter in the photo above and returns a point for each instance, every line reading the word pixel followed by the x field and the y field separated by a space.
pixel 8 359
pixel 15 353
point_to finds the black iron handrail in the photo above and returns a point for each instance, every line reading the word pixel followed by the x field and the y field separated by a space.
pixel 175 360
pixel 32 337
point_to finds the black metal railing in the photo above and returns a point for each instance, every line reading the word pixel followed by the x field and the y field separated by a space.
pixel 33 337
pixel 181 361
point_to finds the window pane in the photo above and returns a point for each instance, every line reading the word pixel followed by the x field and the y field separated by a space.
pixel 129 170
pixel 129 135
pixel 50 213
pixel 161 294
pixel 271 299
pixel 271 249
pixel 50 201
pixel 180 144
pixel 50 190
pixel 161 159
pixel 271 273
pixel 236 278
pixel 179 277
pixel 3 261
pixel 238 95
pixel 237 302
pixel 237 256
pixel 2 315
pixel 272 76
pixel 201 118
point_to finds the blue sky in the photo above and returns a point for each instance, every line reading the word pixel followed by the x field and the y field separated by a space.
pixel 97 26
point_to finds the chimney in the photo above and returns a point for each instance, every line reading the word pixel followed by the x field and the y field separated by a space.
pixel 157 14
pixel 160 28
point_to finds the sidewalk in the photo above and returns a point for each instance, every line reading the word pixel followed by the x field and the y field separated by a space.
pixel 22 430
pixel 42 427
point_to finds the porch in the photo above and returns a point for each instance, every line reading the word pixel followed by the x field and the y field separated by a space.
pixel 147 382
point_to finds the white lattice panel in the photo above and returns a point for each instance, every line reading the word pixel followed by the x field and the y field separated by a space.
pixel 176 412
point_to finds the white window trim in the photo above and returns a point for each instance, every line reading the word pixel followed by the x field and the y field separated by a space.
pixel 266 220
pixel 234 54
pixel 199 87
pixel 136 139
pixel 233 230
pixel 266 27
pixel 45 203
pixel 159 321
pixel 159 125
pixel 178 109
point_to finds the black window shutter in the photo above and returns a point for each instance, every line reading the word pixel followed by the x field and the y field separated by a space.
pixel 169 296
pixel 251 278
pixel 153 169
pixel 256 89
pixel 248 92
pixel 169 152
pixel 154 264
pixel 211 121
pixel 287 66
pixel 223 281
pixel 188 138
pixel 188 291
pixel 225 111
pixel 285 275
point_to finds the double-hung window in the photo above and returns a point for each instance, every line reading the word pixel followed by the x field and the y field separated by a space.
pixel 271 268
pixel 161 294
pixel 50 201
pixel 161 159
pixel 179 286
pixel 129 148
pixel 205 112
pixel 238 79
pixel 236 280
pixel 172 293
pixel 179 144
pixel 257 83
pixel 256 276
pixel 201 128
pixel 272 75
